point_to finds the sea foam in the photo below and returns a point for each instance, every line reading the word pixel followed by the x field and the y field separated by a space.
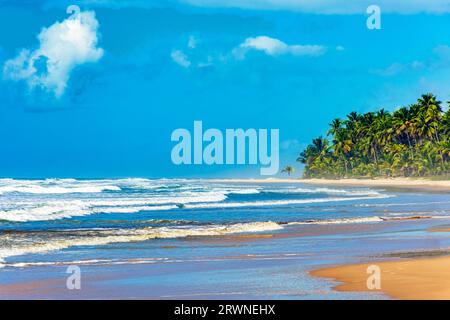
pixel 108 236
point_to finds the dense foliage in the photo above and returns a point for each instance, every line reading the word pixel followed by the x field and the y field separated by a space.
pixel 412 141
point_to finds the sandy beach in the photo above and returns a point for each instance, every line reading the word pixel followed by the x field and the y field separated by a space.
pixel 408 279
pixel 404 183
pixel 412 279
pixel 419 277
pixel 385 183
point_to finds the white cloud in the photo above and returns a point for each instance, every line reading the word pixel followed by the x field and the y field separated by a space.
pixel 207 63
pixel 269 46
pixel 292 144
pixel 275 47
pixel 62 46
pixel 192 42
pixel 331 6
pixel 440 60
pixel 391 70
pixel 180 58
pixel 308 6
pixel 397 68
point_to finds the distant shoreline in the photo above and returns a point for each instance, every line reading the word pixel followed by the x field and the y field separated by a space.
pixel 403 183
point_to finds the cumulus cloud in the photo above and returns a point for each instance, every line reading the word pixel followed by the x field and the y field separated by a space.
pixel 62 47
pixel 180 58
pixel 275 47
pixel 269 46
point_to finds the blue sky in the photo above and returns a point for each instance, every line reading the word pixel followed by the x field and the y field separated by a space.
pixel 145 68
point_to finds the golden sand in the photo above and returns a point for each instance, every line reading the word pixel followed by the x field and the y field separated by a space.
pixel 406 183
pixel 407 279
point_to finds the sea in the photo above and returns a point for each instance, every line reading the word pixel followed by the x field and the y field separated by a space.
pixel 193 238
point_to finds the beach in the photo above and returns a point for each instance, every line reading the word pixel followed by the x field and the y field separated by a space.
pixel 404 183
pixel 143 238
pixel 416 279
pixel 426 277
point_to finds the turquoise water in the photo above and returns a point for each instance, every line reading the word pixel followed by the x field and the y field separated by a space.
pixel 182 238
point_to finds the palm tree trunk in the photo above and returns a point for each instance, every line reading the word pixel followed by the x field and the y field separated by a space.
pixel 409 139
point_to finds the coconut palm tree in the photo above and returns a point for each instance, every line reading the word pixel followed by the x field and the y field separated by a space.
pixel 335 127
pixel 413 140
pixel 289 170
pixel 401 122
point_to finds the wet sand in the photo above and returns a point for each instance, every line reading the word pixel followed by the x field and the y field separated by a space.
pixel 440 230
pixel 133 279
pixel 96 277
pixel 427 277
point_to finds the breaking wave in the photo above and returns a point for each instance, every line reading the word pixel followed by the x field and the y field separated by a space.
pixel 108 236
pixel 54 210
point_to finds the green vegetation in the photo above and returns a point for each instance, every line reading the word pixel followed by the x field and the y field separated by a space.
pixel 413 141
pixel 289 170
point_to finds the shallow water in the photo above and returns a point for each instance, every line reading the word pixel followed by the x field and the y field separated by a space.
pixel 198 239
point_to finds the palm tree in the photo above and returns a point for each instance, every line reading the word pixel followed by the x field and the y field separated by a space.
pixel 314 155
pixel 289 170
pixel 342 147
pixel 336 126
pixel 352 121
pixel 401 123
pixel 413 140
pixel 443 150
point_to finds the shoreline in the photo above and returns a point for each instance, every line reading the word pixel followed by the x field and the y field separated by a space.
pixel 402 183
pixel 52 283
pixel 412 279
pixel 281 256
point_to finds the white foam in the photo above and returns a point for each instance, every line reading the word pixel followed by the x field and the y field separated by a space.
pixel 55 186
pixel 243 191
pixel 408 204
pixel 278 202
pixel 132 209
pixel 49 209
pixel 340 221
pixel 329 191
pixel 45 200
pixel 64 186
pixel 87 262
pixel 39 210
pixel 43 212
pixel 103 237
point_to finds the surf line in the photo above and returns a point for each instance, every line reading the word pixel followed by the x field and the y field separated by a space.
pixel 239 147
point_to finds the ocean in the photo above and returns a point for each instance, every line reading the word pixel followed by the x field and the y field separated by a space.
pixel 182 238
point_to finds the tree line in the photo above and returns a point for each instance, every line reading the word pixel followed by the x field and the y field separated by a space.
pixel 412 141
